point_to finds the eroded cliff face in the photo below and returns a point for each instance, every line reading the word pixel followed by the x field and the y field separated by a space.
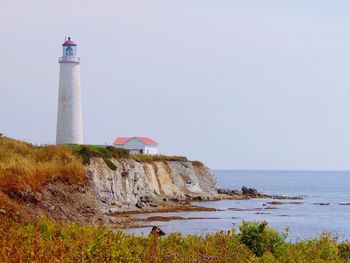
pixel 134 185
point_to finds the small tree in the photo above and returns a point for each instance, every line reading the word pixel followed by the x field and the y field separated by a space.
pixel 259 238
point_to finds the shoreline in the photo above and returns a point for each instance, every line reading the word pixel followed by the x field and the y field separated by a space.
pixel 186 206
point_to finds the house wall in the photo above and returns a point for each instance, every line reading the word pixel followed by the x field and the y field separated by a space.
pixel 150 149
pixel 133 144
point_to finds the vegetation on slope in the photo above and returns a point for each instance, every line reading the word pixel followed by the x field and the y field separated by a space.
pixel 142 158
pixel 197 163
pixel 25 168
pixel 46 241
pixel 108 152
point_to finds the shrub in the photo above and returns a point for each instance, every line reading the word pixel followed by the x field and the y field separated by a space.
pixel 47 241
pixel 259 238
pixel 344 250
pixel 197 163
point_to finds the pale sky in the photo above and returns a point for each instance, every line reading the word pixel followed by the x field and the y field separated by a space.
pixel 235 84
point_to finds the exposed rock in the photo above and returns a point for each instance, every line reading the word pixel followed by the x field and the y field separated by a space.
pixel 170 208
pixel 61 201
pixel 136 185
pixel 270 207
pixel 111 196
pixel 244 209
pixel 282 203
pixel 274 203
pixel 321 203
pixel 81 189
pixel 249 191
pixel 38 197
pixel 344 203
pixel 228 191
pixel 282 197
pixel 139 205
pixel 157 231
pixel 244 190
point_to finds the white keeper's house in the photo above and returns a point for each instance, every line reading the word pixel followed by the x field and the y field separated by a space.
pixel 143 145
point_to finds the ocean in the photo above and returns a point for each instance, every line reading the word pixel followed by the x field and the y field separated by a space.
pixel 304 220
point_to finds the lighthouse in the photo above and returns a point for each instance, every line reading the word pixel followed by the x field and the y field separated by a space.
pixel 69 120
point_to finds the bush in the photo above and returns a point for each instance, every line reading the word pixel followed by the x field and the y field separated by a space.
pixel 259 238
pixel 197 163
pixel 47 241
pixel 344 250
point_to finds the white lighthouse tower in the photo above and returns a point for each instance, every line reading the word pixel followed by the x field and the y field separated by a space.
pixel 69 121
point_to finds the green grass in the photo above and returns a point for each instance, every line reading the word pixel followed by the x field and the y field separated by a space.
pixel 197 163
pixel 106 153
pixel 46 241
pixel 143 158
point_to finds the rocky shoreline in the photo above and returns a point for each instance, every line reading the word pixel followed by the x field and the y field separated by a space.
pixel 116 189
pixel 130 221
pixel 248 193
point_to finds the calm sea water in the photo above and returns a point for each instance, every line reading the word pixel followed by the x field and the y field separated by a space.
pixel 304 220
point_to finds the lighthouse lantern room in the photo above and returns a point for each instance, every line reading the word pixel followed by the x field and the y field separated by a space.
pixel 69 53
pixel 69 48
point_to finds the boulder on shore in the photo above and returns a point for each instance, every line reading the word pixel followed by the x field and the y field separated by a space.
pixel 249 191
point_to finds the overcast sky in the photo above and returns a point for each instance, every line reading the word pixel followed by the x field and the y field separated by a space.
pixel 235 84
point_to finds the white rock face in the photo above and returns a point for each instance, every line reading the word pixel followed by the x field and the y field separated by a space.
pixel 136 185
pixel 69 119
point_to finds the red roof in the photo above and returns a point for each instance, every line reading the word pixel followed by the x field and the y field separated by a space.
pixel 121 140
pixel 69 42
pixel 145 140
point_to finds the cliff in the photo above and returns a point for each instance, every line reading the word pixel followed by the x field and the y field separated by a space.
pixel 135 185
pixel 85 183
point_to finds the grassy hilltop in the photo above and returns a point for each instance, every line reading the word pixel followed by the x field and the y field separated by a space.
pixel 26 169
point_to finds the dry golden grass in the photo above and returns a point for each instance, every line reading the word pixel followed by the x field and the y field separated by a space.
pixel 26 168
